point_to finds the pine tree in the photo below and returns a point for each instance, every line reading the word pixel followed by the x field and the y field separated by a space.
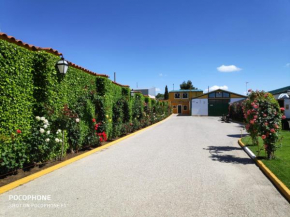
pixel 166 96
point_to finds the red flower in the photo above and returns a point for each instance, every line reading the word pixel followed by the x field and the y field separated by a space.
pixel 282 109
pixel 101 139
pixel 93 120
pixel 256 106
pixel 263 136
pixel 252 121
pixel 18 131
pixel 283 117
pixel 272 130
pixel 96 126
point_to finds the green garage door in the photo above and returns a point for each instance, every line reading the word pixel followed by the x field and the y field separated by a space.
pixel 218 107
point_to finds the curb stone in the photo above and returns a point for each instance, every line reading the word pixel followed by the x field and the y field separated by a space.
pixel 277 182
pixel 36 175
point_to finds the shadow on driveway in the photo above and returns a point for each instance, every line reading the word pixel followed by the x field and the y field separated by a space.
pixel 216 155
pixel 238 135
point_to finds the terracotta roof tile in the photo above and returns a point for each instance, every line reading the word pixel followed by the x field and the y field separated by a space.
pixel 13 40
pixel 121 85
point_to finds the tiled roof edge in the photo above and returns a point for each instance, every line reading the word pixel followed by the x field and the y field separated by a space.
pixel 13 40
pixel 121 85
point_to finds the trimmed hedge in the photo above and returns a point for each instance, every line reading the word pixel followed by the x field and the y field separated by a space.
pixel 41 107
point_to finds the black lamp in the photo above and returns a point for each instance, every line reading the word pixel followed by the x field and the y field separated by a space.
pixel 62 65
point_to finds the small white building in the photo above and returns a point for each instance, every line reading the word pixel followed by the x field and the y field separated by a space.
pixel 283 97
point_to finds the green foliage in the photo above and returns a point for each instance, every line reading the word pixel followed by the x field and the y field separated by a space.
pixel 80 109
pixel 187 86
pixel 166 95
pixel 263 117
pixel 236 111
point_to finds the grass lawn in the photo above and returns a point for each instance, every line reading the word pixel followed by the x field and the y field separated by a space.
pixel 280 166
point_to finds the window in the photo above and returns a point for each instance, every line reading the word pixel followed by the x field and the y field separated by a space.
pixel 184 95
pixel 177 95
pixel 211 95
pixel 185 108
pixel 174 106
pixel 226 95
pixel 218 94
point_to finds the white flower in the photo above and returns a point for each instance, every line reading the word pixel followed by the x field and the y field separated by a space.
pixel 37 118
pixel 41 130
pixel 77 120
pixel 56 140
pixel 42 118
pixel 58 131
pixel 48 132
pixel 60 140
pixel 44 126
pixel 45 121
pixel 47 139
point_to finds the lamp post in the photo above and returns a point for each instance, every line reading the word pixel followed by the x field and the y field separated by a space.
pixel 62 66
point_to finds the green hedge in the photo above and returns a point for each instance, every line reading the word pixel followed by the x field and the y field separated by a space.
pixel 41 107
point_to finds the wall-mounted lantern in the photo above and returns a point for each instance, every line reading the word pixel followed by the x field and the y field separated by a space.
pixel 62 66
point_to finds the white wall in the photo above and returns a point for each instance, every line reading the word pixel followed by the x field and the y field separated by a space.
pixel 287 111
pixel 235 99
pixel 199 107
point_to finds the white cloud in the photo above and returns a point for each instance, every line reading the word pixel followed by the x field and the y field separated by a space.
pixel 230 68
pixel 157 89
pixel 216 87
pixel 287 65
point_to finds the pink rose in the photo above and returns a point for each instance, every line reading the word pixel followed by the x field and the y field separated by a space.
pixel 282 109
pixel 272 130
pixel 252 121
pixel 256 106
pixel 283 117
pixel 263 136
pixel 256 116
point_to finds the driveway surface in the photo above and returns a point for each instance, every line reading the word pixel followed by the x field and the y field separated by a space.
pixel 185 166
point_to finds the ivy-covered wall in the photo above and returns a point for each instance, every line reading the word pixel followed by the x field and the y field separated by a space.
pixel 44 114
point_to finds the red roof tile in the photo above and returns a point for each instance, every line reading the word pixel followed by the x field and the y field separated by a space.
pixel 13 40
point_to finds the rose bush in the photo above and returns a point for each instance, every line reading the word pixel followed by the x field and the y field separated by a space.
pixel 263 116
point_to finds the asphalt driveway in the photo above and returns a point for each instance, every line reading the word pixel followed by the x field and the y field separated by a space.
pixel 185 166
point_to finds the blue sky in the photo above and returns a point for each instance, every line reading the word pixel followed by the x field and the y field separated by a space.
pixel 158 42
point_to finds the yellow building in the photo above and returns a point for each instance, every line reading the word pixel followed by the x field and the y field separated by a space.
pixel 180 100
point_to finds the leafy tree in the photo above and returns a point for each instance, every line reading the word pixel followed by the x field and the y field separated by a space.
pixel 159 96
pixel 187 86
pixel 166 96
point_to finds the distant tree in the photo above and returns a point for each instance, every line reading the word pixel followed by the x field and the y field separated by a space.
pixel 159 96
pixel 166 95
pixel 187 86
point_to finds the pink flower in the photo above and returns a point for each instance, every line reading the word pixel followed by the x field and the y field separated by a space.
pixel 266 124
pixel 252 121
pixel 247 126
pixel 282 109
pixel 248 112
pixel 283 117
pixel 266 95
pixel 93 120
pixel 264 115
pixel 256 106
pixel 272 130
pixel 263 136
pixel 256 116
pixel 276 126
